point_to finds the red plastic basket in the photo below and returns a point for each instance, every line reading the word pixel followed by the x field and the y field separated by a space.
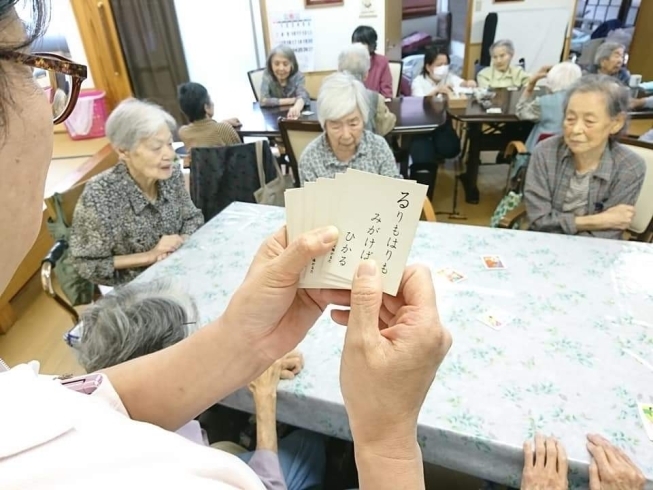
pixel 89 116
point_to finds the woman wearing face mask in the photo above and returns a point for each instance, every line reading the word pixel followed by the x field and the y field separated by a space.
pixel 436 77
pixel 502 74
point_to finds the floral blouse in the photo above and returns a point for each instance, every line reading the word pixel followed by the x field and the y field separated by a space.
pixel 114 217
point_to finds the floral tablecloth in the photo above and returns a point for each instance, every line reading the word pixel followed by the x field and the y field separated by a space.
pixel 559 367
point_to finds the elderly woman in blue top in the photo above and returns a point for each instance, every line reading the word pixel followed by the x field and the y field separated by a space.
pixel 343 111
pixel 283 84
pixel 546 110
pixel 584 182
pixel 609 60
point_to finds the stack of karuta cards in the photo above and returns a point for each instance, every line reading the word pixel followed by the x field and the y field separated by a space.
pixel 377 219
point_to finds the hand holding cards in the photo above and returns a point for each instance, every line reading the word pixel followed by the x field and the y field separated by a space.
pixel 377 218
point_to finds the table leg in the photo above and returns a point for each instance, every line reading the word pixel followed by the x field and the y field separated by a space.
pixel 469 179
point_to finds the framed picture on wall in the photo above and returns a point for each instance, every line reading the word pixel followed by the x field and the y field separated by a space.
pixel 322 3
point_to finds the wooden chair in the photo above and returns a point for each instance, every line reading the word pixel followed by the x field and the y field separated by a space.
pixel 396 70
pixel 69 200
pixel 641 229
pixel 296 136
pixel 255 79
pixel 428 213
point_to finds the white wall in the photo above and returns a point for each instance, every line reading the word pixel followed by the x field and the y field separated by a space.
pixel 332 27
pixel 483 7
pixel 220 49
pixel 62 23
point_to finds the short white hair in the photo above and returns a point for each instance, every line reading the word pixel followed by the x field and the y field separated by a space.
pixel 135 120
pixel 605 50
pixel 563 75
pixel 355 60
pixel 503 43
pixel 341 94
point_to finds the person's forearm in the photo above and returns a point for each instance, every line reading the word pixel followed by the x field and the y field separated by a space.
pixel 266 421
pixel 299 104
pixel 132 261
pixel 288 101
pixel 174 385
pixel 592 222
pixel 399 467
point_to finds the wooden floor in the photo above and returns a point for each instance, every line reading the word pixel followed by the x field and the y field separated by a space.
pixel 41 323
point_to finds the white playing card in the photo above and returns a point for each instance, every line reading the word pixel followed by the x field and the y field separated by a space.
pixel 496 319
pixel 377 218
pixel 645 411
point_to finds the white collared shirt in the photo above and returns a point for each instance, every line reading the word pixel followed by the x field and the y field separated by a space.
pixel 53 437
pixel 424 85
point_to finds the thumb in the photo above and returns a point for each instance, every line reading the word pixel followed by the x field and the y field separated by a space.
pixel 595 482
pixel 366 299
pixel 305 248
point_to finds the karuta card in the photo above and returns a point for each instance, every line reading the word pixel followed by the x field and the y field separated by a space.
pixel 645 411
pixel 451 275
pixel 493 262
pixel 377 219
pixel 495 319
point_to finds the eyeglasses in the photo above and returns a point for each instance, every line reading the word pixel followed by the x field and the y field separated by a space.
pixel 60 77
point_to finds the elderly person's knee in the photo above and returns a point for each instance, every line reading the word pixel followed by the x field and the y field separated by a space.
pixel 133 321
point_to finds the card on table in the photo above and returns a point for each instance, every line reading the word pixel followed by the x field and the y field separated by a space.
pixel 451 275
pixel 496 319
pixel 645 411
pixel 493 262
pixel 377 218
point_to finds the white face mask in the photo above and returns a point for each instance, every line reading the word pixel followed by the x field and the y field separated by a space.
pixel 439 72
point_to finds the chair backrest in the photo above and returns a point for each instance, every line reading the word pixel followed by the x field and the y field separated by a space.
pixel 396 69
pixel 644 205
pixel 413 65
pixel 255 79
pixel 69 200
pixel 588 52
pixel 444 26
pixel 296 137
pixel 314 81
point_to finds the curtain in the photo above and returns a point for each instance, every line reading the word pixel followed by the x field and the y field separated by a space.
pixel 153 51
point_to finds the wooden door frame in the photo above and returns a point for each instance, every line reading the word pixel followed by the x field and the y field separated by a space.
pixel 103 51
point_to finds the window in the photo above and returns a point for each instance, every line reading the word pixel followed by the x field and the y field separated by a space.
pixel 418 8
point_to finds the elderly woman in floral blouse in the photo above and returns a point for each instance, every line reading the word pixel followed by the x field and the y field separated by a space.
pixel 138 212
pixel 343 112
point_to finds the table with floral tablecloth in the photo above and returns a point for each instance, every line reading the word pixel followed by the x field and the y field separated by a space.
pixel 558 367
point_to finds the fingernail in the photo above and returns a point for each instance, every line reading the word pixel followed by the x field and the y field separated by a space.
pixel 367 268
pixel 329 234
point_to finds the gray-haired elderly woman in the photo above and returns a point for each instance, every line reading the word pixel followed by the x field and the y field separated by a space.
pixel 343 110
pixel 609 60
pixel 547 109
pixel 132 321
pixel 584 182
pixel 138 212
pixel 502 74
pixel 283 84
pixel 355 60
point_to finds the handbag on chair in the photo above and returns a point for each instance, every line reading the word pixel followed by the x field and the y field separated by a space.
pixel 271 193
